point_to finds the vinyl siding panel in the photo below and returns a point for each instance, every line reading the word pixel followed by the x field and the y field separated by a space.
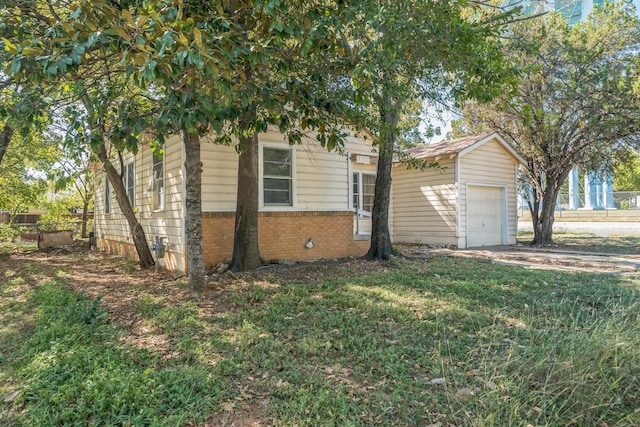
pixel 219 177
pixel 360 144
pixel 424 205
pixel 166 222
pixel 489 164
pixel 321 177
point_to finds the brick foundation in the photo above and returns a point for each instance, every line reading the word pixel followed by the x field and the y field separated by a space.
pixel 282 236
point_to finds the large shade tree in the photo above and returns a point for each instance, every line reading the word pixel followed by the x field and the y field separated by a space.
pixel 288 55
pixel 425 51
pixel 578 101
pixel 235 68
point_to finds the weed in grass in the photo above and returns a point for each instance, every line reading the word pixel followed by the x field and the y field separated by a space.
pixel 148 305
pixel 90 312
pixel 130 265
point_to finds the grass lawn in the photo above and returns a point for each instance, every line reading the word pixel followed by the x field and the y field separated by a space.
pixel 23 245
pixel 429 342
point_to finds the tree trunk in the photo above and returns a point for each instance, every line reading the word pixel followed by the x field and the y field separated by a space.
pixel 85 207
pixel 193 214
pixel 246 252
pixel 544 218
pixel 5 139
pixel 137 232
pixel 381 247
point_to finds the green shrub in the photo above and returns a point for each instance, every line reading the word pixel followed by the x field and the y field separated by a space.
pixel 90 312
pixel 9 233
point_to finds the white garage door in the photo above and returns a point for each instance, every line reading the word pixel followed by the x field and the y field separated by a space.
pixel 484 216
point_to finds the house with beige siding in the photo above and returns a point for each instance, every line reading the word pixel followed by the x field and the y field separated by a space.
pixel 469 201
pixel 306 193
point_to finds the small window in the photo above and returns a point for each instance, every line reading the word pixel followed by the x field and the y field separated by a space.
pixel 129 183
pixel 158 182
pixel 277 177
pixel 364 186
pixel 107 195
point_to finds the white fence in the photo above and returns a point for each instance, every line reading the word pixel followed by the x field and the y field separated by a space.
pixel 621 200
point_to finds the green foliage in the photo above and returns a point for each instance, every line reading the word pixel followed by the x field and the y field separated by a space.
pixel 10 233
pixel 428 51
pixel 22 171
pixel 90 312
pixel 626 171
pixel 58 215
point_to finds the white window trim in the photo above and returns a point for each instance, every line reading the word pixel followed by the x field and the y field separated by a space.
pixel 360 174
pixel 294 183
pixel 162 203
pixel 128 184
pixel 107 195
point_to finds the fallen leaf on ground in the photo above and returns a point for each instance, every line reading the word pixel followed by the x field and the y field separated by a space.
pixel 11 397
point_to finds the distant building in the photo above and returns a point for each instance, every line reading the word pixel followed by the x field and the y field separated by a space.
pixel 573 10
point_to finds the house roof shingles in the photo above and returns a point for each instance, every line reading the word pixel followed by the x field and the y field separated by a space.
pixel 446 148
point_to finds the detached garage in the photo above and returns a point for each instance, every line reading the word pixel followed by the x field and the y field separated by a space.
pixel 470 201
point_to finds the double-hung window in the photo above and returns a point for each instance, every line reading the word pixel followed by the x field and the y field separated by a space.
pixel 130 182
pixel 277 176
pixel 158 182
pixel 364 185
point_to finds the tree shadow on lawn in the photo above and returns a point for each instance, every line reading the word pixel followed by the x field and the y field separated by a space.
pixel 346 347
pixel 373 345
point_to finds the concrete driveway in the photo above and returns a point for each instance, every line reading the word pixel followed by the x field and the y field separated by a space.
pixel 535 258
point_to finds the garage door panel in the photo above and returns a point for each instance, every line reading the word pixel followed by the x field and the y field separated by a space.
pixel 484 216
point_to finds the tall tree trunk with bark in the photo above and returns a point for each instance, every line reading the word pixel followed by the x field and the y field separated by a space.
pixel 5 139
pixel 246 251
pixel 543 214
pixel 193 207
pixel 137 232
pixel 381 247
pixel 543 219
